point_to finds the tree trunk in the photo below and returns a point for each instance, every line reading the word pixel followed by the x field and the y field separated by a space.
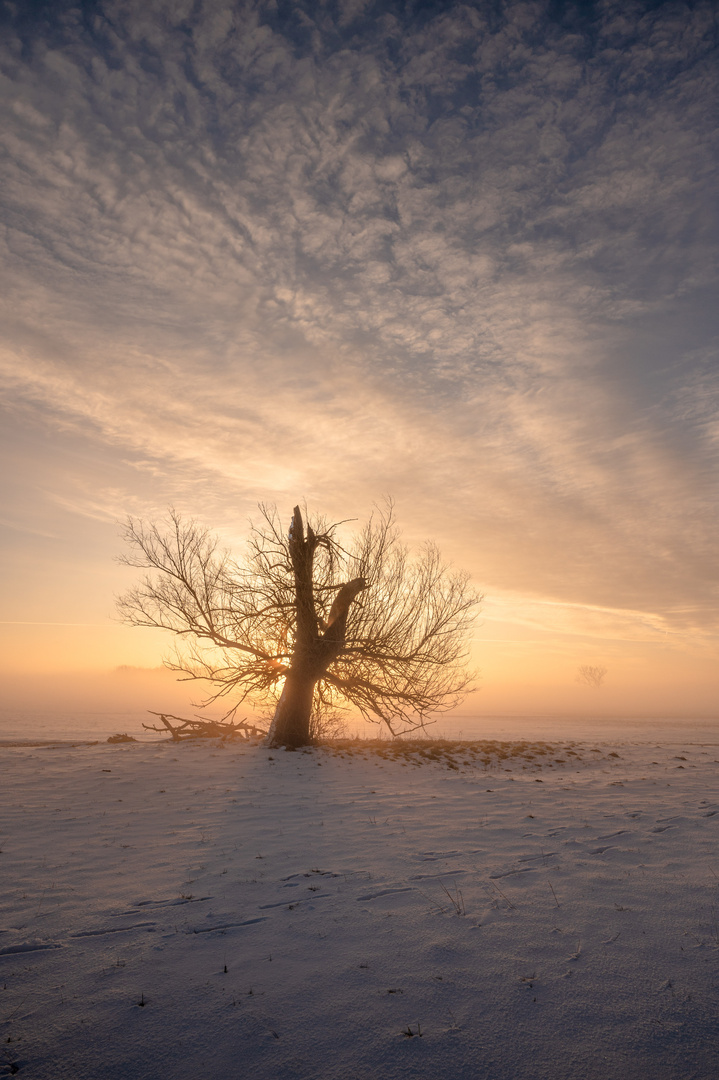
pixel 313 653
pixel 291 722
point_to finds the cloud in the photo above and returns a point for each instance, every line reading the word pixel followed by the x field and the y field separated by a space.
pixel 459 253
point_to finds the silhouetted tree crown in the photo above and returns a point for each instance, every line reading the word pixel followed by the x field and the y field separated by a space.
pixel 305 622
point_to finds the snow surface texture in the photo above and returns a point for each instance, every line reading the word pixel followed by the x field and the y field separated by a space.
pixel 195 912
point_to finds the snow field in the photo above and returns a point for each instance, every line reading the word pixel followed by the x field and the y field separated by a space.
pixel 194 912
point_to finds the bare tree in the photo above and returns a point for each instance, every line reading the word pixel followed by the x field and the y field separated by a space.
pixel 591 676
pixel 305 622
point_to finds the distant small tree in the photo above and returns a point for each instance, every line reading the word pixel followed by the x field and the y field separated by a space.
pixel 305 622
pixel 591 676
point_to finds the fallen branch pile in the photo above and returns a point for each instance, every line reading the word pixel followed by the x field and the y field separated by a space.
pixel 204 729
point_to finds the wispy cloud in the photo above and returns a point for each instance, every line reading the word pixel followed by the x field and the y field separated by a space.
pixel 461 253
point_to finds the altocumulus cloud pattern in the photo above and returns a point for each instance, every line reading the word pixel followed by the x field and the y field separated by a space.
pixel 465 252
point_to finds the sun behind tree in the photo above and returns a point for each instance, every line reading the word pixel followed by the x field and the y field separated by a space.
pixel 305 622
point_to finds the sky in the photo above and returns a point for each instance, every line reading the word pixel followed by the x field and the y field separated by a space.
pixel 460 254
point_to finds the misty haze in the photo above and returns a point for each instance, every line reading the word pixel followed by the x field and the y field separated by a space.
pixel 359 391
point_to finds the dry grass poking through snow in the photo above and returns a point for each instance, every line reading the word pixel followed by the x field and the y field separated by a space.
pixel 462 754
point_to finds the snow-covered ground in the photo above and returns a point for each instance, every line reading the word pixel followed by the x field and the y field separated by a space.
pixel 195 912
